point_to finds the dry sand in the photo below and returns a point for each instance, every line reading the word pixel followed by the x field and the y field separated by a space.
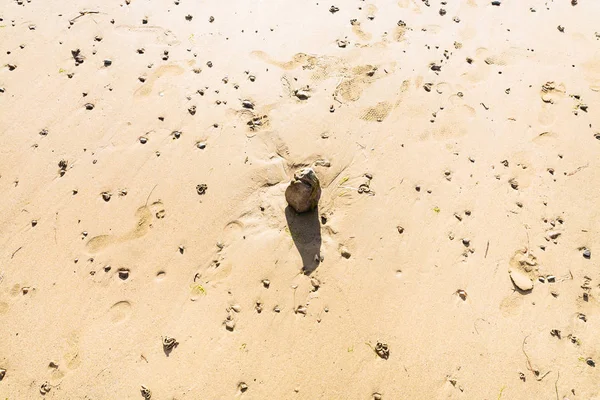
pixel 458 147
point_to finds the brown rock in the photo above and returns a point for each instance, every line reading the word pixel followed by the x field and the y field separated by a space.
pixel 304 191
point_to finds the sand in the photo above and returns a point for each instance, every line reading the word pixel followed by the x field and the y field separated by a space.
pixel 146 245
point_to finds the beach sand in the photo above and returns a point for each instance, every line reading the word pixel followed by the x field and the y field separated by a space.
pixel 147 249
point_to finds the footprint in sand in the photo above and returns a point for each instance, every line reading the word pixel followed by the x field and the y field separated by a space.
pixel 353 79
pixel 591 72
pixel 512 305
pixel 378 113
pixel 72 356
pixel 144 215
pixel 161 35
pixel 359 32
pixel 120 311
pixel 163 70
pixel 552 92
pixel 480 69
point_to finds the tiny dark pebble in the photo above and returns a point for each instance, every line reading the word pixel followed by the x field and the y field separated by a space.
pixel 587 254
pixel 201 188
pixel 590 362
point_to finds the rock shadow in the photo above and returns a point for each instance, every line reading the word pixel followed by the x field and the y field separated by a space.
pixel 305 229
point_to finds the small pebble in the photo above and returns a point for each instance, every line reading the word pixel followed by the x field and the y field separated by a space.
pixel 146 393
pixel 230 325
pixel 315 283
pixel 590 362
pixel 587 254
pixel 301 310
pixel 345 252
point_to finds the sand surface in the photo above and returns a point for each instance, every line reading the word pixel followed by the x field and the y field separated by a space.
pixel 145 148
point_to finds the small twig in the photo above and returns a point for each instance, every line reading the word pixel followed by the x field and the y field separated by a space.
pixel 348 187
pixel 529 367
pixel 527 233
pixel 501 390
pixel 578 169
pixel 150 194
pixel 556 384
pixel 15 252
pixel 82 13
pixel 475 324
pixel 55 221
pixel 486 249
pixel 295 299
pixel 543 376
